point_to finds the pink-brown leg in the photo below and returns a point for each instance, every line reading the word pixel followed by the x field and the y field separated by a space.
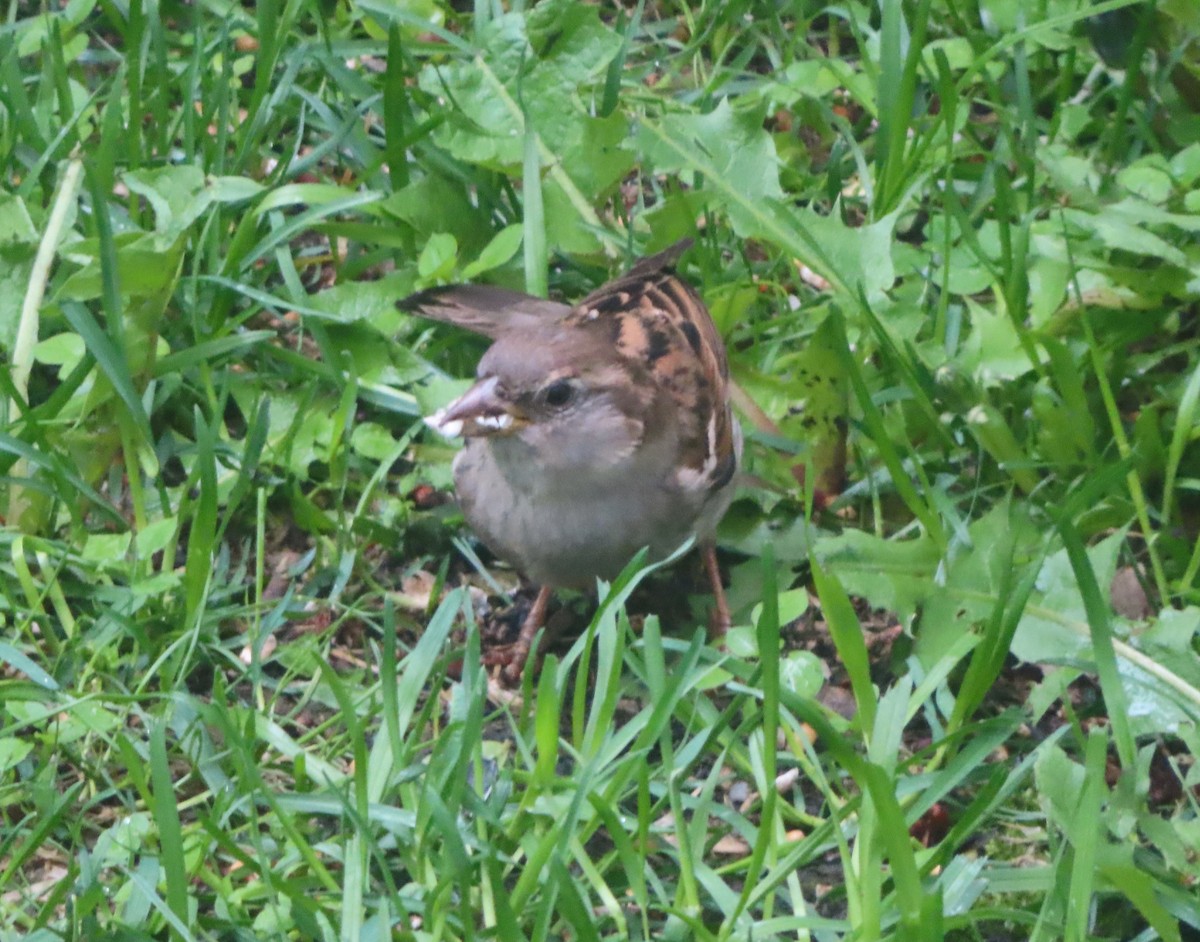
pixel 720 620
pixel 519 651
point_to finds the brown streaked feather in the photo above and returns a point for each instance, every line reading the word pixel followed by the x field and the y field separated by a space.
pixel 659 262
pixel 642 452
pixel 653 320
pixel 653 317
pixel 483 309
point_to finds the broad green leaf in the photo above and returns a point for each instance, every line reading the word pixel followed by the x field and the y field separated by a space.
pixel 1124 234
pixel 728 148
pixel 1059 782
pixel 372 440
pixel 33 32
pixel 13 751
pixel 906 576
pixel 233 189
pixel 734 159
pixel 1047 631
pixel 895 575
pixel 802 672
pixel 1148 180
pixel 373 302
pixel 818 78
pixel 145 269
pixel 993 351
pixel 499 251
pixel 155 536
pixel 438 258
pixel 16 225
pixel 16 267
pixel 106 547
pixel 486 126
pixel 435 204
pixel 62 350
pixel 571 35
pixel 1072 173
pixel 1175 630
pixel 1185 165
pixel 177 194
pixel 595 157
pixel 1162 695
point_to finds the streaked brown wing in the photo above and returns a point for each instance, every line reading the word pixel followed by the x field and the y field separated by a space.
pixel 657 319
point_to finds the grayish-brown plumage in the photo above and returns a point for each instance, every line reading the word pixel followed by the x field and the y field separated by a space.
pixel 592 431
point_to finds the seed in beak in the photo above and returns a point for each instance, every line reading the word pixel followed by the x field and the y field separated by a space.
pixel 481 410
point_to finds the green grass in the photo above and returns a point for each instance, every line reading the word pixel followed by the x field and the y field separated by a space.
pixel 241 687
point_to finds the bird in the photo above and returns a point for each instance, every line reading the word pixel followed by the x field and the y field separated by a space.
pixel 592 430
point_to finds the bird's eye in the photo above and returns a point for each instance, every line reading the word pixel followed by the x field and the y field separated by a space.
pixel 558 394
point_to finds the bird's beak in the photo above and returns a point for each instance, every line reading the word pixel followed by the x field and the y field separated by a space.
pixel 481 410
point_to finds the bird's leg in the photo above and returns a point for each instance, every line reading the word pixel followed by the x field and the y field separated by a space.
pixel 519 651
pixel 720 620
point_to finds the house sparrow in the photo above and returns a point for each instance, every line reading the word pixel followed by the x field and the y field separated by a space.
pixel 592 431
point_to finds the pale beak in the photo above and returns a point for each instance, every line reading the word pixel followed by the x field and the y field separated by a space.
pixel 481 410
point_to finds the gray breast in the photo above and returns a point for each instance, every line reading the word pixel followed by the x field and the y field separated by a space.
pixel 567 531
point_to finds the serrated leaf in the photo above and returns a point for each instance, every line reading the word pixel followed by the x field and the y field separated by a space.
pixel 1071 173
pixel 1125 234
pixel 1059 782
pixel 737 164
pixel 993 352
pixel 730 148
pixel 486 125
pixel 1175 629
pixel 572 36
pixel 813 79
pixel 908 575
pixel 595 158
pixel 177 194
pixel 896 575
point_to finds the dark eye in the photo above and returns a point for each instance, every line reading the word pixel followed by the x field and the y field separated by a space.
pixel 558 394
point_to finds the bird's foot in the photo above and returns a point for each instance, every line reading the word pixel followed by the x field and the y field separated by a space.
pixel 513 657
